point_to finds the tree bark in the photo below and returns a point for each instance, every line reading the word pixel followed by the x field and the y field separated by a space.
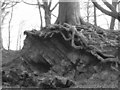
pixel 47 13
pixel 119 11
pixel 0 33
pixel 112 24
pixel 113 13
pixel 95 18
pixel 69 12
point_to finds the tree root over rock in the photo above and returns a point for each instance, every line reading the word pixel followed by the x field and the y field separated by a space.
pixel 77 52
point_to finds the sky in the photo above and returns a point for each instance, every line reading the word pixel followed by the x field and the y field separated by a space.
pixel 26 17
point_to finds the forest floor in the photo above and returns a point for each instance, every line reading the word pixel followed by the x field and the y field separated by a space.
pixel 8 56
pixel 75 65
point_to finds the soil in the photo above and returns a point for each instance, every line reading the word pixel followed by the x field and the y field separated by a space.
pixel 38 66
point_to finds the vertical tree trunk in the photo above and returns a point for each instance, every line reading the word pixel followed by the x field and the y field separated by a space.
pixel 119 11
pixel 95 18
pixel 69 12
pixel 88 12
pixel 47 16
pixel 112 24
pixel 39 8
pixel 0 40
pixel 47 13
pixel 9 29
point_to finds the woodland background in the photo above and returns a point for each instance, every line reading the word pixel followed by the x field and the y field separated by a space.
pixel 45 45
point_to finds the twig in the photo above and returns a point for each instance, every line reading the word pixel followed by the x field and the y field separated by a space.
pixel 53 15
pixel 4 17
pixel 12 5
pixel 54 7
pixel 50 2
pixel 28 3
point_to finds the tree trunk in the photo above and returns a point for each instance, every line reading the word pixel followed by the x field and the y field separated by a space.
pixel 119 11
pixel 95 18
pixel 1 41
pixel 69 12
pixel 112 24
pixel 0 31
pixel 88 12
pixel 47 13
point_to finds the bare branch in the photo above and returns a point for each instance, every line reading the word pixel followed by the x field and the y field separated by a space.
pixel 4 17
pixel 53 15
pixel 40 13
pixel 54 7
pixel 112 24
pixel 28 3
pixel 12 5
pixel 50 2
pixel 4 6
pixel 112 8
pixel 115 15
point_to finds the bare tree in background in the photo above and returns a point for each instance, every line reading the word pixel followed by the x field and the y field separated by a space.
pixel 95 16
pixel 1 44
pixel 89 14
pixel 18 46
pixel 88 10
pixel 113 12
pixel 7 4
pixel 46 7
pixel 9 29
pixel 112 24
pixel 119 12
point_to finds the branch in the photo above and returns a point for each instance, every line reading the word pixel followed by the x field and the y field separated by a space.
pixel 4 17
pixel 109 6
pixel 28 3
pixel 53 15
pixel 115 15
pixel 4 6
pixel 54 7
pixel 12 5
pixel 50 2
pixel 40 13
pixel 112 24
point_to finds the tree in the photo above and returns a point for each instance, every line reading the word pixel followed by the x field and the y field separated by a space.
pixel 91 12
pixel 113 13
pixel 119 12
pixel 9 29
pixel 7 4
pixel 0 34
pixel 88 6
pixel 47 11
pixel 52 48
pixel 95 18
pixel 112 24
pixel 69 12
